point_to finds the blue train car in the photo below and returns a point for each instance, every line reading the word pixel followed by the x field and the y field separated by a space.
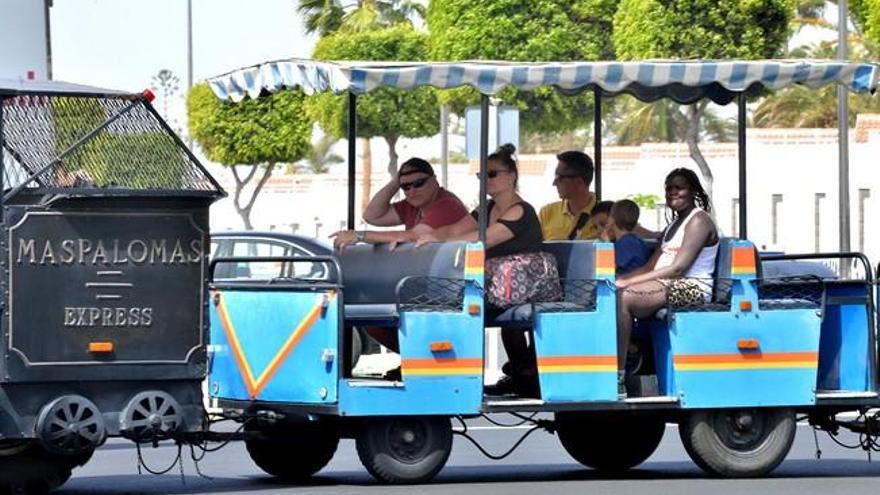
pixel 733 371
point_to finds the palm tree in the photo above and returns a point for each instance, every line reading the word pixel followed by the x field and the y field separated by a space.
pixel 321 156
pixel 327 16
pixel 799 107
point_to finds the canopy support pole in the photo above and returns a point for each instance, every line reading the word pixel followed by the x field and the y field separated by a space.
pixel 741 151
pixel 843 137
pixel 352 155
pixel 483 217
pixel 597 142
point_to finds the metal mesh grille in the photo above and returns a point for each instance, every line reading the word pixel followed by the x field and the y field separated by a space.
pixel 134 152
pixel 431 294
pixel 579 296
pixel 791 293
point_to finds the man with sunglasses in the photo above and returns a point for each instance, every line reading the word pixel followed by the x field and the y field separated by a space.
pixel 426 206
pixel 570 218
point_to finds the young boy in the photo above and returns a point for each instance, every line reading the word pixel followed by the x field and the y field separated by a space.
pixel 630 252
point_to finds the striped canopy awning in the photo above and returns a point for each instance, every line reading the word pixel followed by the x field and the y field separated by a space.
pixel 683 81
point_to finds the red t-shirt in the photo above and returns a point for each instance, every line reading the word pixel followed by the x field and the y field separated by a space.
pixel 445 210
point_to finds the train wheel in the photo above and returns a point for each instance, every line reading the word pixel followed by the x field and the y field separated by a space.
pixel 293 451
pixel 738 443
pixel 405 449
pixel 25 467
pixel 610 443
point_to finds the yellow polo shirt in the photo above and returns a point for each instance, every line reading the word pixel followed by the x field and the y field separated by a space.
pixel 557 221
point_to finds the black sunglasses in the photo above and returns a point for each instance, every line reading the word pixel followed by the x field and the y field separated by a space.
pixel 492 173
pixel 406 186
pixel 567 176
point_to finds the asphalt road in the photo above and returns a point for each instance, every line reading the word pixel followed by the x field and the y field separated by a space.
pixel 540 464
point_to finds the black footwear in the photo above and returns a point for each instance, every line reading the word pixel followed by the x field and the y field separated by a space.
pixel 393 375
pixel 504 386
pixel 527 385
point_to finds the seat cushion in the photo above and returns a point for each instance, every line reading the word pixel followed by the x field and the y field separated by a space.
pixel 372 314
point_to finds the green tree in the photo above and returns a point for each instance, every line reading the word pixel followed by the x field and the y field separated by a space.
pixel 872 21
pixel 524 31
pixel 253 135
pixel 386 112
pixel 328 16
pixel 701 29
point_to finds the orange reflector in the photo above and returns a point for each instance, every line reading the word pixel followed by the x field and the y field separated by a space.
pixel 747 344
pixel 474 309
pixel 100 347
pixel 441 346
pixel 745 306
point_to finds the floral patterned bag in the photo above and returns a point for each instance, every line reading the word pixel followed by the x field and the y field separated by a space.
pixel 522 278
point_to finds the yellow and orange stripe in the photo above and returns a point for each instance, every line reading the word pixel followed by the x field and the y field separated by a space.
pixel 577 364
pixel 474 260
pixel 743 261
pixel 256 385
pixel 441 366
pixel 746 361
pixel 605 262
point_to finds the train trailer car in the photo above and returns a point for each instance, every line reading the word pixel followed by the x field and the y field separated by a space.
pixel 104 260
pixel 734 371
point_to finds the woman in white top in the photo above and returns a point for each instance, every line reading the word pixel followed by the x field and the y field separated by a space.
pixel 680 270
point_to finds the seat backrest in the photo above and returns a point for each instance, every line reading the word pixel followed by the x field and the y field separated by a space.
pixel 722 287
pixel 370 273
pixel 576 260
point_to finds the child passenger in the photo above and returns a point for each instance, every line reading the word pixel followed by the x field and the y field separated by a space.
pixel 630 251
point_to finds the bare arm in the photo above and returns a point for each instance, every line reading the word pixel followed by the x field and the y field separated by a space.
pixel 697 233
pixel 645 233
pixel 465 230
pixel 379 211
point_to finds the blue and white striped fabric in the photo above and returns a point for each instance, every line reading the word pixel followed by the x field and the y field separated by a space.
pixel 683 81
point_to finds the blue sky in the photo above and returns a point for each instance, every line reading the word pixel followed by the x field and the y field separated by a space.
pixel 122 44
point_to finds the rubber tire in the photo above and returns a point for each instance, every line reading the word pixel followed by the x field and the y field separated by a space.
pixel 712 455
pixel 387 466
pixel 33 470
pixel 293 452
pixel 611 443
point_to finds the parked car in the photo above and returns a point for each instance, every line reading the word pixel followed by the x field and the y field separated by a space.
pixel 256 243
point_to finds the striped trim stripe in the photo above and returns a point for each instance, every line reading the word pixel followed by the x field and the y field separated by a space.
pixel 605 262
pixel 577 364
pixel 474 261
pixel 441 366
pixel 683 81
pixel 746 361
pixel 742 261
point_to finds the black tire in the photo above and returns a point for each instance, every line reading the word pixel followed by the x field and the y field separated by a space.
pixel 738 443
pixel 293 451
pixel 33 470
pixel 612 443
pixel 399 450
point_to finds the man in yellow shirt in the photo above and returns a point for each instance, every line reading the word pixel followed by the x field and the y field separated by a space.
pixel 572 217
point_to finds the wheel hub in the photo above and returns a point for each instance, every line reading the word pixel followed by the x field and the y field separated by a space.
pixel 69 425
pixel 150 415
pixel 741 430
pixel 407 440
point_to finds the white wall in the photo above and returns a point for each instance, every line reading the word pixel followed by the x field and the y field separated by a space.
pixel 794 163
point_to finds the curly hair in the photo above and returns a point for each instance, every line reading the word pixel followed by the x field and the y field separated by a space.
pixel 700 196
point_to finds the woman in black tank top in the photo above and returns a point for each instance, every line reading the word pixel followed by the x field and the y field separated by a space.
pixel 513 228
